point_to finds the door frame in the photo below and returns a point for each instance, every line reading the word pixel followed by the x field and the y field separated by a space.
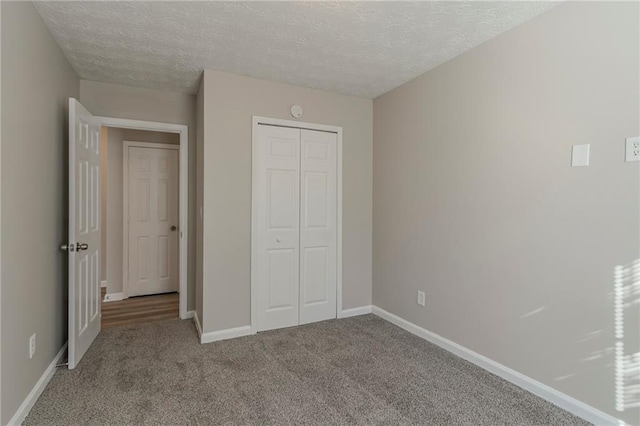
pixel 125 203
pixel 258 120
pixel 183 178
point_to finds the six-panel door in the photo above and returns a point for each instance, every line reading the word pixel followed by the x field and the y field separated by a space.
pixel 278 234
pixel 318 226
pixel 153 220
pixel 84 231
pixel 296 227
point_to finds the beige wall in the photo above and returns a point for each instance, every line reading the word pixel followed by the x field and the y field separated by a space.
pixel 0 220
pixel 229 103
pixel 199 195
pixel 113 100
pixel 475 201
pixel 114 214
pixel 104 177
pixel 36 82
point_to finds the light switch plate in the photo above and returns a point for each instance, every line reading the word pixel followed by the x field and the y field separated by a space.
pixel 632 152
pixel 580 155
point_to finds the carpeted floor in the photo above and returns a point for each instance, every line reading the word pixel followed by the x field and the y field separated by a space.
pixel 361 370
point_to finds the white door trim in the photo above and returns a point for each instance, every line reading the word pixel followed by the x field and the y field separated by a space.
pixel 154 145
pixel 257 120
pixel 125 208
pixel 183 131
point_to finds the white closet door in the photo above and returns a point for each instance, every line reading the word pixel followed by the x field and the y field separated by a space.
pixel 318 226
pixel 277 237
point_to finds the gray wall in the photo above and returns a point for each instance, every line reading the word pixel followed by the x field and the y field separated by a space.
pixel 36 82
pixel 113 199
pixel 199 195
pixel 104 177
pixel 229 103
pixel 113 100
pixel 0 211
pixel 475 201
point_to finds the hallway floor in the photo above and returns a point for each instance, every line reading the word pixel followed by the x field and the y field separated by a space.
pixel 140 310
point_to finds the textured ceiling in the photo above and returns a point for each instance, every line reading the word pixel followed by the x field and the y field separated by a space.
pixel 356 48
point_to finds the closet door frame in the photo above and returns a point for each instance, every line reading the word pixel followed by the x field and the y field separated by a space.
pixel 257 121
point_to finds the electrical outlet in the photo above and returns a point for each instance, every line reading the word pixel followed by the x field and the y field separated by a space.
pixel 32 345
pixel 420 298
pixel 632 152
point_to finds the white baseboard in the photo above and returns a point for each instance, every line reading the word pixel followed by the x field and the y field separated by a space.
pixel 214 336
pixel 103 283
pixel 189 315
pixel 558 398
pixel 230 333
pixel 352 312
pixel 197 323
pixel 35 393
pixel 112 297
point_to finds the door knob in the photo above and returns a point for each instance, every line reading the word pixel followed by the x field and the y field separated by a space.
pixel 173 227
pixel 67 247
pixel 82 246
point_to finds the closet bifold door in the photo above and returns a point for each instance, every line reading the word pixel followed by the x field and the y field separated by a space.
pixel 277 236
pixel 318 225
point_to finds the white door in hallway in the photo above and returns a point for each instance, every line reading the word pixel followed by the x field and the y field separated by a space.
pixel 294 238
pixel 152 204
pixel 83 245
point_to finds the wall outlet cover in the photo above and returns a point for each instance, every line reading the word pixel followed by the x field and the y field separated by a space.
pixel 421 298
pixel 632 149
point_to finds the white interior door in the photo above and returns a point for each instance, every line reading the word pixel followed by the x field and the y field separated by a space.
pixel 84 231
pixel 318 225
pixel 153 220
pixel 277 233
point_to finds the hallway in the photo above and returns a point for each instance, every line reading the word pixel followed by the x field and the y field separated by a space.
pixel 139 310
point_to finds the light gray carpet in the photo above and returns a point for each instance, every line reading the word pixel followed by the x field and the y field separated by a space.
pixel 361 370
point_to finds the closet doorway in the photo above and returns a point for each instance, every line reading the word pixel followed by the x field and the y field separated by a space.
pixel 296 237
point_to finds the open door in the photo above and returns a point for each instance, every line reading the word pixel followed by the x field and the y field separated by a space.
pixel 84 231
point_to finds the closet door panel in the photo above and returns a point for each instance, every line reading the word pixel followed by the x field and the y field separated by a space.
pixel 277 236
pixel 318 226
